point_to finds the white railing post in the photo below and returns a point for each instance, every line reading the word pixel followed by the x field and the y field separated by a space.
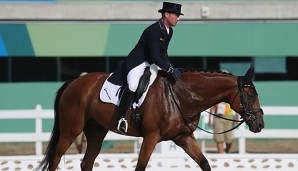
pixel 242 140
pixel 38 129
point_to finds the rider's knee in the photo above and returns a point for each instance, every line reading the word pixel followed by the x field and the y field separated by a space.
pixel 133 86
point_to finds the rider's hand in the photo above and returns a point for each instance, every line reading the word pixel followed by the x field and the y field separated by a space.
pixel 175 72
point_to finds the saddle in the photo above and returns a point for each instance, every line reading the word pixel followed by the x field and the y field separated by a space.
pixel 116 83
pixel 119 78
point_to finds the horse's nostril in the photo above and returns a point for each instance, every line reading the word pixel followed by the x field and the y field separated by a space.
pixel 261 126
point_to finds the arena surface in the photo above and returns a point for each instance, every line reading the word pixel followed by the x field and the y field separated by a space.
pixel 123 162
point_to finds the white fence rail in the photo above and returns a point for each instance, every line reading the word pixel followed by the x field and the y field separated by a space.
pixel 38 136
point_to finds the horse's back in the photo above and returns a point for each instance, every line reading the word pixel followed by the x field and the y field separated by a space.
pixel 79 102
pixel 89 82
pixel 83 89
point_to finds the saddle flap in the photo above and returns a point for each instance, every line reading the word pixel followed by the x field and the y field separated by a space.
pixel 143 84
pixel 110 91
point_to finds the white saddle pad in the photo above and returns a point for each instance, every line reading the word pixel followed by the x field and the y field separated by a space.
pixel 109 92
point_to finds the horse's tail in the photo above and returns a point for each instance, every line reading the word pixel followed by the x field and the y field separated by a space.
pixel 51 149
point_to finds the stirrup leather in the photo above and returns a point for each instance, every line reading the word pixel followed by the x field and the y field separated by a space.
pixel 125 122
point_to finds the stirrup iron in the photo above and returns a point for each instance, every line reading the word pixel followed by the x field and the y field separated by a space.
pixel 125 122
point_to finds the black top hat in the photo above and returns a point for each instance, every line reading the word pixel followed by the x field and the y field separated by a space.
pixel 171 7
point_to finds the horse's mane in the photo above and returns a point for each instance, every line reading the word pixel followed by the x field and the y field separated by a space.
pixel 203 70
pixel 172 80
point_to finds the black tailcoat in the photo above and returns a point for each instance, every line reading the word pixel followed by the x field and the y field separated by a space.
pixel 151 47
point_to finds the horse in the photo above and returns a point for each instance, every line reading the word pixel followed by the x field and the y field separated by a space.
pixel 171 111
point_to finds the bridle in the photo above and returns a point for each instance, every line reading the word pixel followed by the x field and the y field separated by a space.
pixel 249 116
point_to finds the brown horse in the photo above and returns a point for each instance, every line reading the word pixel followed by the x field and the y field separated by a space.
pixel 170 112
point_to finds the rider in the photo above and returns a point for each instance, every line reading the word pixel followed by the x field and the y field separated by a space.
pixel 150 49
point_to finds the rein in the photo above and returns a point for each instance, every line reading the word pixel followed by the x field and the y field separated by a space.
pixel 188 120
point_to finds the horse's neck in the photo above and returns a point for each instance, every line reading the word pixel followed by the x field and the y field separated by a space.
pixel 202 90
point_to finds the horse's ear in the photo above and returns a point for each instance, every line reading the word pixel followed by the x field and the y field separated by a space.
pixel 249 74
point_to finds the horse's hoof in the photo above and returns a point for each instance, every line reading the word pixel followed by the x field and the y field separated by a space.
pixel 207 167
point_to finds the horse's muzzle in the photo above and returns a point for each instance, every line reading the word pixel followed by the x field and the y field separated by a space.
pixel 257 126
pixel 254 119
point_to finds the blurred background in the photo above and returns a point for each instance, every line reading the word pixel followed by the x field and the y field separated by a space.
pixel 46 42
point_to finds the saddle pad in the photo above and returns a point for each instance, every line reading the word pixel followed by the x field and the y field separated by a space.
pixel 109 92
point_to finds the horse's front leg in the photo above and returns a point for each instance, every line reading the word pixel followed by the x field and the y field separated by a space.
pixel 148 145
pixel 192 148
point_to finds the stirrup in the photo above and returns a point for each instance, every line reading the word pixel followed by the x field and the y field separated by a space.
pixel 125 123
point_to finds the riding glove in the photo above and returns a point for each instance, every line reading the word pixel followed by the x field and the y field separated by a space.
pixel 176 73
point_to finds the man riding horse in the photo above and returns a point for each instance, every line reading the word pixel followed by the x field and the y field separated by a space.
pixel 150 49
pixel 77 107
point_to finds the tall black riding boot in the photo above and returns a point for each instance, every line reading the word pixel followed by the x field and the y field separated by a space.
pixel 125 102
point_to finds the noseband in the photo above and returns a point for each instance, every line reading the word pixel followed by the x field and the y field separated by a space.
pixel 249 115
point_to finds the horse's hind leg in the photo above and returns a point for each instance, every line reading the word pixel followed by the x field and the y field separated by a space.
pixel 192 148
pixel 66 138
pixel 71 124
pixel 95 135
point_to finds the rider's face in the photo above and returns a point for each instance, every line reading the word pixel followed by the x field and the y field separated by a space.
pixel 171 19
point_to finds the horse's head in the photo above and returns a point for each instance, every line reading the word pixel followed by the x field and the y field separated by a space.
pixel 246 103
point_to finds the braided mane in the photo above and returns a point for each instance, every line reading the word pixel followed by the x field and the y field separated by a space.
pixel 203 70
pixel 172 80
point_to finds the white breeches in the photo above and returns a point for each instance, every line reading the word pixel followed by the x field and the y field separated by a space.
pixel 134 76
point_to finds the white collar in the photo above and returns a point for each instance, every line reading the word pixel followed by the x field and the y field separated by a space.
pixel 168 30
